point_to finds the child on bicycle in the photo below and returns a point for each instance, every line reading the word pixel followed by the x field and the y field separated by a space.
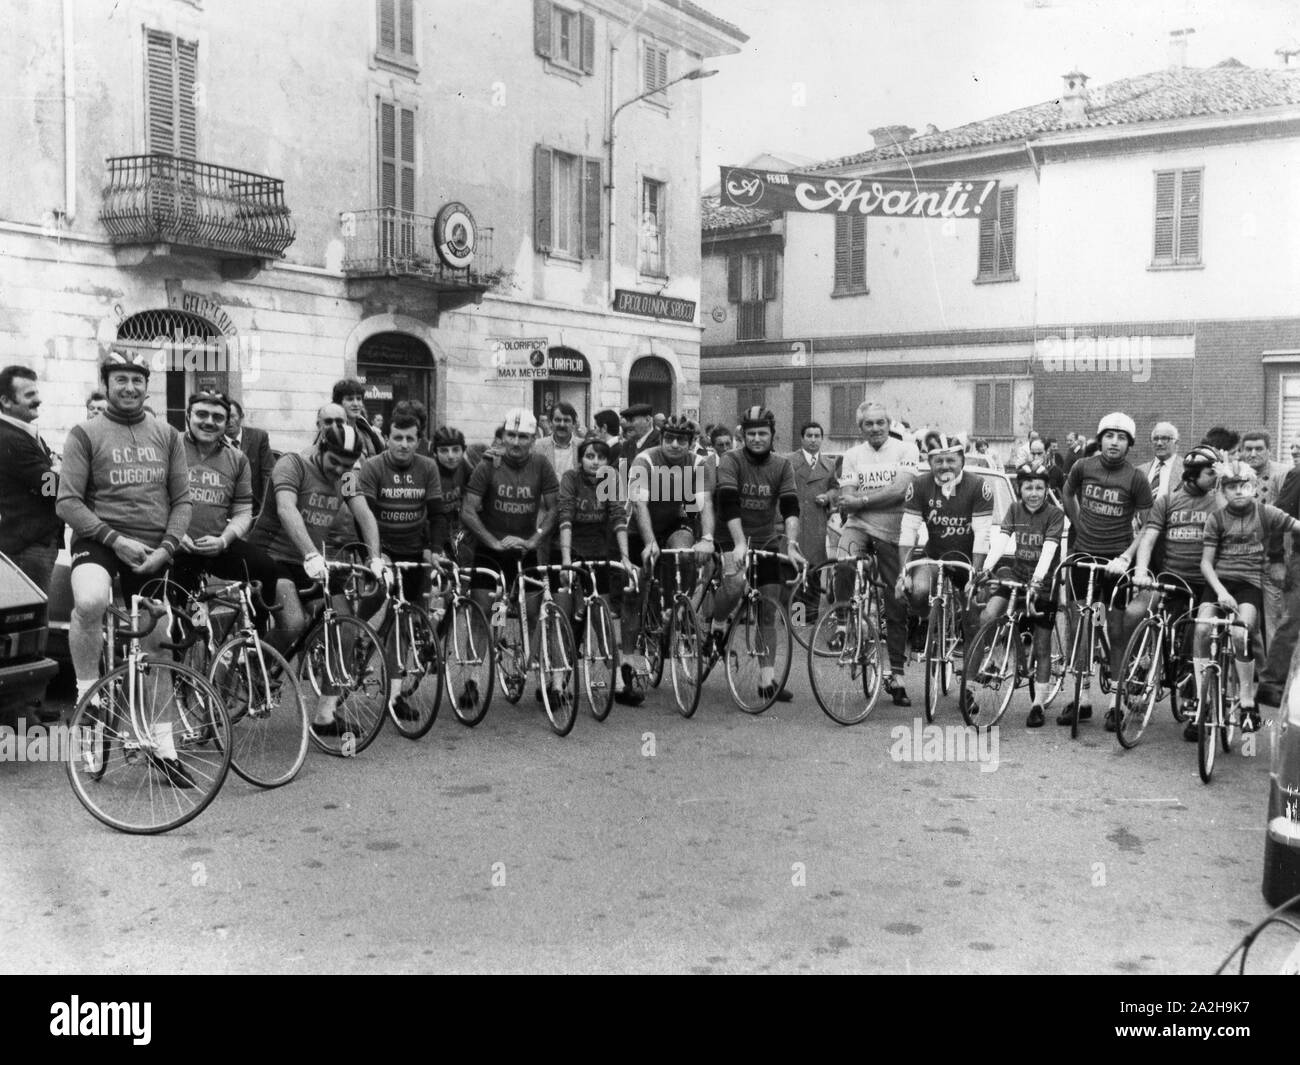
pixel 1030 533
pixel 1233 558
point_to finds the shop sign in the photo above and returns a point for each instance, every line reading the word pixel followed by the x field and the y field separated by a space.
pixel 650 306
pixel 891 198
pixel 519 358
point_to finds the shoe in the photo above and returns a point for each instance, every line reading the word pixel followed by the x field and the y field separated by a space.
pixel 836 642
pixel 331 728
pixel 768 691
pixel 971 706
pixel 555 697
pixel 897 692
pixel 1066 716
pixel 628 695
pixel 174 771
pixel 1112 719
pixel 717 644
pixel 1036 717
pixel 1250 720
pixel 916 628
pixel 468 698
pixel 403 710
pixel 1190 732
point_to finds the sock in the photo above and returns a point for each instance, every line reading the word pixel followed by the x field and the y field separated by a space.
pixel 766 676
pixel 1198 668
pixel 84 686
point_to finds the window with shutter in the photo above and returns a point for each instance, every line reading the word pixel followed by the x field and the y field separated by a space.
pixel 567 195
pixel 982 417
pixel 1177 239
pixel 171 114
pixel 1002 408
pixel 395 38
pixel 542 195
pixel 592 197
pixel 992 415
pixel 565 36
pixel 997 240
pixel 850 255
pixel 654 66
pixel 650 237
pixel 396 137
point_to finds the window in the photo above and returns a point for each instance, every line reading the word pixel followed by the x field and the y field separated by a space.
pixel 1178 218
pixel 566 203
pixel 1288 424
pixel 650 245
pixel 850 254
pixel 171 115
pixel 396 137
pixel 751 282
pixel 564 36
pixel 654 66
pixel 396 38
pixel 997 254
pixel 992 415
pixel 749 397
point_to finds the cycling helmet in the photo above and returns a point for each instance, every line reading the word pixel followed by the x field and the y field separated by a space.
pixel 1236 472
pixel 1121 423
pixel 446 436
pixel 220 399
pixel 520 420
pixel 937 443
pixel 125 359
pixel 1031 471
pixel 341 440
pixel 1201 457
pixel 679 425
pixel 757 418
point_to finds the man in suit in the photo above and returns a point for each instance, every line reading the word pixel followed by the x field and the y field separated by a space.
pixel 255 444
pixel 1164 472
pixel 30 531
pixel 639 433
pixel 1074 444
pixel 818 487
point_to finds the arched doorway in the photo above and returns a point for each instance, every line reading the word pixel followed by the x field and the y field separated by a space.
pixel 568 380
pixel 189 353
pixel 651 381
pixel 396 366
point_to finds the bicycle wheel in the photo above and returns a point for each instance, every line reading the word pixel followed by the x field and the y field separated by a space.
pixel 269 718
pixel 1209 717
pixel 1060 659
pixel 758 641
pixel 1230 706
pixel 468 662
pixel 419 672
pixel 653 635
pixel 952 636
pixel 992 669
pixel 354 674
pixel 934 648
pixel 807 605
pixel 844 663
pixel 512 669
pixel 1141 681
pixel 1080 663
pixel 685 656
pixel 600 660
pixel 557 666
pixel 165 773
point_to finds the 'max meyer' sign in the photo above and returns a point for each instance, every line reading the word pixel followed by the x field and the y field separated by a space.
pixel 892 198
pixel 649 306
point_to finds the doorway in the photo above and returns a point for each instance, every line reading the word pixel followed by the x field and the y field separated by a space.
pixel 396 367
pixel 651 381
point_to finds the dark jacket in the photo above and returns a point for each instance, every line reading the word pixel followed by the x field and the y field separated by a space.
pixel 257 446
pixel 28 487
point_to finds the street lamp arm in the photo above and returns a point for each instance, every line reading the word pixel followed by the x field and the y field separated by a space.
pixel 690 75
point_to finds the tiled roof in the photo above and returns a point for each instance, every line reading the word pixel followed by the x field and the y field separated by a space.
pixel 715 216
pixel 1226 89
pixel 695 11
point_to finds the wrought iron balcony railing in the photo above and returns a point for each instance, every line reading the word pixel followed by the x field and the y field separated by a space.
pixel 386 242
pixel 163 199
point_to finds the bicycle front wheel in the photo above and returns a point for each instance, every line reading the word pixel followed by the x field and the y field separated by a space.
pixel 468 662
pixel 1060 657
pixel 1080 664
pixel 809 599
pixel 686 656
pixel 758 654
pixel 152 767
pixel 992 668
pixel 269 718
pixel 512 669
pixel 844 664
pixel 1229 707
pixel 419 674
pixel 653 636
pixel 1140 678
pixel 348 669
pixel 1209 718
pixel 557 659
pixel 599 660
pixel 934 650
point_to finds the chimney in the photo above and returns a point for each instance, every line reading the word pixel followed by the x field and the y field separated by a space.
pixel 887 135
pixel 1178 48
pixel 1074 100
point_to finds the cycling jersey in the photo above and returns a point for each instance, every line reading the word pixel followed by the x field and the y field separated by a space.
pixel 512 495
pixel 446 523
pixel 761 484
pixel 219 485
pixel 666 488
pixel 319 500
pixel 949 511
pixel 403 499
pixel 1179 520
pixel 870 469
pixel 1107 496
pixel 592 516
pixel 1031 531
pixel 1239 541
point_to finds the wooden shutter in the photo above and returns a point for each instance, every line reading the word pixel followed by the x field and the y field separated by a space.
pixel 588 44
pixel 983 409
pixel 1164 243
pixel 1189 217
pixel 661 66
pixel 1002 408
pixel 654 66
pixel 160 93
pixel 988 244
pixel 1006 226
pixel 542 28
pixel 388 25
pixel 543 224
pixel 187 118
pixel 591 196
pixel 769 275
pixel 850 252
pixel 407 157
pixel 406 28
pixel 387 155
pixel 734 273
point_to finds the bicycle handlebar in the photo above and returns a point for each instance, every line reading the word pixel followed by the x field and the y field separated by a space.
pixel 153 609
pixel 939 562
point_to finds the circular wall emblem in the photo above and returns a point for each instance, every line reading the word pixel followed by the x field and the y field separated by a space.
pixel 719 314
pixel 744 188
pixel 454 234
pixel 537 359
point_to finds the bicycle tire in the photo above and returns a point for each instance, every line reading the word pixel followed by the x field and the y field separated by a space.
pixel 1058 672
pixel 952 635
pixel 600 659
pixel 270 722
pixel 1231 707
pixel 747 645
pixel 802 620
pixel 359 680
pixel 686 656
pixel 1141 680
pixel 512 669
pixel 846 674
pixel 1208 717
pixel 993 667
pixel 468 662
pixel 113 776
pixel 420 675
pixel 1082 648
pixel 934 642
pixel 653 635
pixel 557 668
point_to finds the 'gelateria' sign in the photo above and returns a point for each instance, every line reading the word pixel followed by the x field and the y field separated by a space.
pixel 892 198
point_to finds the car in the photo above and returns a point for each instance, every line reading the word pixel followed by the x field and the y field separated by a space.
pixel 25 669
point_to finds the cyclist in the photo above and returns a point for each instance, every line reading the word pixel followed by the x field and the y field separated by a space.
pixel 873 481
pixel 308 490
pixel 1104 493
pixel 1233 557
pixel 403 492
pixel 453 478
pixel 124 491
pixel 956 512
pixel 1175 534
pixel 1030 533
pixel 667 489
pixel 757 500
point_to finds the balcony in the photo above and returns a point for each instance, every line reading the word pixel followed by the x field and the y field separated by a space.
pixel 390 252
pixel 195 206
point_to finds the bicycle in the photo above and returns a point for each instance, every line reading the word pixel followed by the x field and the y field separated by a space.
pixel 468 645
pixel 1219 694
pixel 599 653
pixel 1091 644
pixel 145 718
pixel 807 606
pixel 756 636
pixel 684 644
pixel 943 632
pixel 1152 662
pixel 846 650
pixel 1001 657
pixel 418 657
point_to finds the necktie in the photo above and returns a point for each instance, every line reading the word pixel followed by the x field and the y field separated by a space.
pixel 1156 471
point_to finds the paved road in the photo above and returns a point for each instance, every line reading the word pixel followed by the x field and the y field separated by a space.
pixel 782 843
